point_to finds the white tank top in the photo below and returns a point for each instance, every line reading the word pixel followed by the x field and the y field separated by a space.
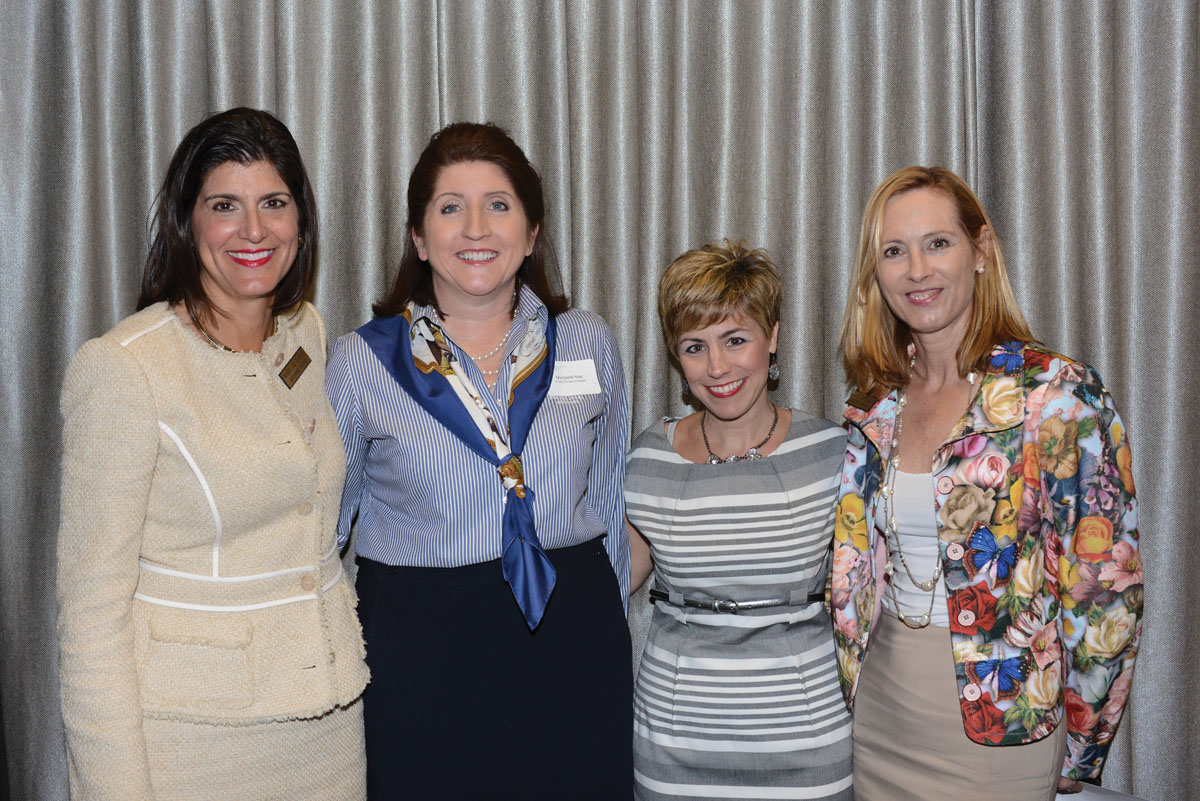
pixel 917 529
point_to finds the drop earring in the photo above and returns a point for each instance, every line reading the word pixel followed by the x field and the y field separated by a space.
pixel 773 370
pixel 684 384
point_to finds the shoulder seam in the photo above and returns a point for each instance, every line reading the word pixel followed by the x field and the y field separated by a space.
pixel 133 337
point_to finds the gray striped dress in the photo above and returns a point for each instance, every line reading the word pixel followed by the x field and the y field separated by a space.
pixel 739 706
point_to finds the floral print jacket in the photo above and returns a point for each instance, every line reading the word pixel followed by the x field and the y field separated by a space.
pixel 1037 523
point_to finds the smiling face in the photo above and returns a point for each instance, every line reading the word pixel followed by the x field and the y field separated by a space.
pixel 927 263
pixel 726 365
pixel 475 236
pixel 245 227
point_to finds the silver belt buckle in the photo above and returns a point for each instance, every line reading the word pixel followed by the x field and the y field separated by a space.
pixel 725 606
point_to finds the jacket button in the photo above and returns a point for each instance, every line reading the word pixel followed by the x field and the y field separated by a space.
pixel 971 692
pixel 965 618
pixel 304 509
pixel 954 551
pixel 278 359
pixel 308 583
pixel 945 484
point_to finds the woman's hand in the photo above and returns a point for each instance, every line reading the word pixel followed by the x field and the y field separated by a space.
pixel 640 560
pixel 1068 786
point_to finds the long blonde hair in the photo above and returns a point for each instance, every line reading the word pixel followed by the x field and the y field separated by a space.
pixel 874 342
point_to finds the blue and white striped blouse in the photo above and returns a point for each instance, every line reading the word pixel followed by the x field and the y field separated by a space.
pixel 422 498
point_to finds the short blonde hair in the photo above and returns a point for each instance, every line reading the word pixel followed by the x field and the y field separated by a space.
pixel 874 342
pixel 715 282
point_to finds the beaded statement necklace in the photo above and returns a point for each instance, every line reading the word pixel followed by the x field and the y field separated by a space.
pixel 748 456
pixel 891 529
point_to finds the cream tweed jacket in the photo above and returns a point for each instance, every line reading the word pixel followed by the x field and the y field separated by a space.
pixel 198 576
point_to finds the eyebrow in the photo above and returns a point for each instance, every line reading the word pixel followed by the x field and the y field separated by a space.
pixel 938 232
pixel 723 334
pixel 232 196
pixel 487 193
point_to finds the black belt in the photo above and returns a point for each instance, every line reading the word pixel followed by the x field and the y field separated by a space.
pixel 721 605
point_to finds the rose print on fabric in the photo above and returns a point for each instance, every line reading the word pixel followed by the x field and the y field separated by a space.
pixel 1043 687
pixel 1093 539
pixel 964 507
pixel 984 723
pixel 1059 453
pixel 972 609
pixel 988 469
pixel 1111 634
pixel 1036 481
pixel 1003 400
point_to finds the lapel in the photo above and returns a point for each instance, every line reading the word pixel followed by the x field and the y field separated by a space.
pixel 1000 402
pixel 877 422
pixel 998 405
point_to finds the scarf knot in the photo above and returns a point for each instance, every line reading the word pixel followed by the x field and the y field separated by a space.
pixel 512 475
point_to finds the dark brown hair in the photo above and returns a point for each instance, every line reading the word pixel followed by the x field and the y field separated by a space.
pixel 243 136
pixel 457 143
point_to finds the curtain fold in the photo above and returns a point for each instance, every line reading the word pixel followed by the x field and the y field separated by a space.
pixel 657 127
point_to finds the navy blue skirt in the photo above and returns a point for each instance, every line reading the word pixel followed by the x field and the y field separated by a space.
pixel 466 703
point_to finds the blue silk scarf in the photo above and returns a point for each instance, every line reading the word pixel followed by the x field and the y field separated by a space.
pixel 416 355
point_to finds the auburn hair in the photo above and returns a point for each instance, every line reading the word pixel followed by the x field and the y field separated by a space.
pixel 715 282
pixel 458 143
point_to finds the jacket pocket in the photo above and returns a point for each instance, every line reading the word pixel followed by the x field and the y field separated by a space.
pixel 196 661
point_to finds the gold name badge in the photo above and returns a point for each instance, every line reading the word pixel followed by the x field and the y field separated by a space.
pixel 295 368
pixel 861 400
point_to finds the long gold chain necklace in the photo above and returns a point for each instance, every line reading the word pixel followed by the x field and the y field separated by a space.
pixel 891 528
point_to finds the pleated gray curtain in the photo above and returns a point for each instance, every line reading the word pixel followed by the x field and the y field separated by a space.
pixel 657 127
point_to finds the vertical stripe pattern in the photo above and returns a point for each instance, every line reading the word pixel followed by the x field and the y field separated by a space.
pixel 423 499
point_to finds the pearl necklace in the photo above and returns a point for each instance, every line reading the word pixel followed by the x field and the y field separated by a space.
pixel 490 353
pixel 750 455
pixel 483 357
pixel 891 529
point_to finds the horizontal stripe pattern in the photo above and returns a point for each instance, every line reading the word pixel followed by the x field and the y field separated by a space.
pixel 756 793
pixel 421 498
pixel 741 705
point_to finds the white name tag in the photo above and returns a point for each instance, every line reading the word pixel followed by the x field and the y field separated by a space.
pixel 574 378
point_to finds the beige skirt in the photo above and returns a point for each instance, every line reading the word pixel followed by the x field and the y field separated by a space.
pixel 296 760
pixel 909 741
